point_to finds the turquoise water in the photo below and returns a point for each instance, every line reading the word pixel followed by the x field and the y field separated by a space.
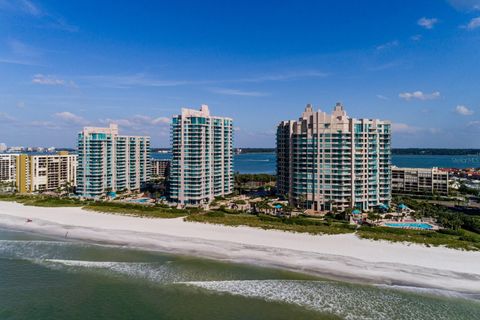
pixel 266 162
pixel 416 225
pixel 46 278
pixel 143 200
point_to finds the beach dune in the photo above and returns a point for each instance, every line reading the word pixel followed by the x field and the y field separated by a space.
pixel 335 256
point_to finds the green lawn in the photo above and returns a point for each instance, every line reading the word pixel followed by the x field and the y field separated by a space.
pixel 299 224
pixel 139 210
pixel 461 239
pixel 42 201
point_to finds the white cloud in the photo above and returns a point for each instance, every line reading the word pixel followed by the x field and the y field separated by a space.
pixel 126 81
pixel 45 124
pixel 419 95
pixel 427 23
pixel 60 23
pixel 70 117
pixel 473 24
pixel 434 130
pixel 22 49
pixel 18 61
pixel 475 123
pixel 121 122
pixel 416 37
pixel 139 122
pixel 382 97
pixel 47 80
pixel 29 8
pixel 384 66
pixel 20 104
pixel 465 5
pixel 161 120
pixel 147 120
pixel 133 80
pixel 292 75
pixel 51 80
pixel 25 7
pixel 236 92
pixel 388 45
pixel 463 110
pixel 403 128
pixel 4 117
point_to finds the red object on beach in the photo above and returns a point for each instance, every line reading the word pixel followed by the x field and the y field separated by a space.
pixel 29 220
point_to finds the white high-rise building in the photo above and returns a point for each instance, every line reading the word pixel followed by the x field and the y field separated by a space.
pixel 8 167
pixel 3 147
pixel 202 157
pixel 333 162
pixel 109 162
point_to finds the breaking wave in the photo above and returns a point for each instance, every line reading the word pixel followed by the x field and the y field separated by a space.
pixel 154 272
pixel 35 249
pixel 346 301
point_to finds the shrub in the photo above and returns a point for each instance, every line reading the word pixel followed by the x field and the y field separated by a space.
pixel 215 214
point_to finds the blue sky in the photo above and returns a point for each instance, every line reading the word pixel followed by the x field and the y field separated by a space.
pixel 68 64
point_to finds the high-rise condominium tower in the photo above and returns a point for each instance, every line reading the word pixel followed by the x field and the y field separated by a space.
pixel 334 162
pixel 109 162
pixel 39 172
pixel 8 167
pixel 202 162
pixel 46 172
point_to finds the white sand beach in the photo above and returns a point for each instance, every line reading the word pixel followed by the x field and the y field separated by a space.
pixel 335 256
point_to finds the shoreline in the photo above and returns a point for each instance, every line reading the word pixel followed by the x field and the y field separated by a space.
pixel 342 257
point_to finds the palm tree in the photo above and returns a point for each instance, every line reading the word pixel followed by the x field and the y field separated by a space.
pixel 287 210
pixel 156 195
pixel 263 205
pixel 302 201
pixel 67 187
pixel 253 207
pixel 107 191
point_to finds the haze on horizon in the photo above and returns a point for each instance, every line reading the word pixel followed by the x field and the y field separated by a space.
pixel 65 65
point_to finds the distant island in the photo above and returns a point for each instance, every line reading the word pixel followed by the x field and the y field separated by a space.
pixel 435 151
pixel 396 151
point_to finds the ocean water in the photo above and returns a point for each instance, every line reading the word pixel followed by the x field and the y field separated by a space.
pixel 48 278
pixel 266 162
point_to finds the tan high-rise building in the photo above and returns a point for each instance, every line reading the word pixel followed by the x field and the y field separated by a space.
pixel 160 168
pixel 333 162
pixel 52 172
pixel 420 181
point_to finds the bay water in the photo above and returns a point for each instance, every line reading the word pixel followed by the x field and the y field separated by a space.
pixel 266 162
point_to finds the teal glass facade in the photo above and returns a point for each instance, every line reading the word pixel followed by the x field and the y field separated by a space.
pixel 202 157
pixel 333 162
pixel 108 162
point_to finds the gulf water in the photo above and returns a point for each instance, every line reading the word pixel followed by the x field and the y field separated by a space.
pixel 49 278
pixel 266 162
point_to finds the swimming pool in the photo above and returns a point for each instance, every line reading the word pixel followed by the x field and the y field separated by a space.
pixel 412 225
pixel 142 200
